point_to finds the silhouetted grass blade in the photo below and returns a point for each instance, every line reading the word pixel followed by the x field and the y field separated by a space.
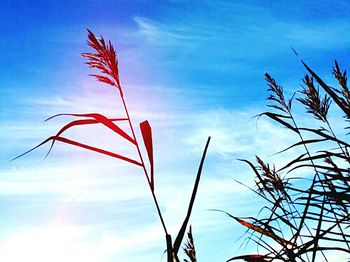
pixel 250 258
pixel 182 231
pixel 266 232
pixel 304 142
pixel 278 118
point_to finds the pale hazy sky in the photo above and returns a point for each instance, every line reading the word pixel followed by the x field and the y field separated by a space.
pixel 193 69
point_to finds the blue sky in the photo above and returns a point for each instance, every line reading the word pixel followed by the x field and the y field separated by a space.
pixel 193 69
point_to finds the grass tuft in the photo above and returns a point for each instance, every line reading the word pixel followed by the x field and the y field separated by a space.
pixel 312 222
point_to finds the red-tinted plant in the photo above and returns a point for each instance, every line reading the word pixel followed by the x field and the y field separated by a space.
pixel 105 60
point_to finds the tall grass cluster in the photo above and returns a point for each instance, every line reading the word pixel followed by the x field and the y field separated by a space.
pixel 311 222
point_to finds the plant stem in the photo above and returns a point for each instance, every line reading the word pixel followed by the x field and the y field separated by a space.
pixel 143 165
pixel 309 197
pixel 340 147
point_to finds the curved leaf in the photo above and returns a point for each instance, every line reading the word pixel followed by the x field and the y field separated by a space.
pixel 75 143
pixel 100 119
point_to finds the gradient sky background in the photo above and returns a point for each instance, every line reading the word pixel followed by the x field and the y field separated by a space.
pixel 193 69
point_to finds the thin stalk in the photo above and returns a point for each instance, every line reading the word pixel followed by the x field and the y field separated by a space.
pixel 308 201
pixel 317 175
pixel 317 237
pixel 346 182
pixel 341 148
pixel 143 164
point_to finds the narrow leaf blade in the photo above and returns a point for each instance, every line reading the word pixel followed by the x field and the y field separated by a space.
pixel 103 120
pixel 146 132
pixel 181 233
pixel 78 144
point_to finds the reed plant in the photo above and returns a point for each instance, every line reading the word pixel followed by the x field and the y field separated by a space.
pixel 306 217
pixel 104 59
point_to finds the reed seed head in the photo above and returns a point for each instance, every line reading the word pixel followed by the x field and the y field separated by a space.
pixel 277 95
pixel 104 59
pixel 312 100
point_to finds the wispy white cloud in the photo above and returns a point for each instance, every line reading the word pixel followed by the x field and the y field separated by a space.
pixel 238 37
pixel 166 34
